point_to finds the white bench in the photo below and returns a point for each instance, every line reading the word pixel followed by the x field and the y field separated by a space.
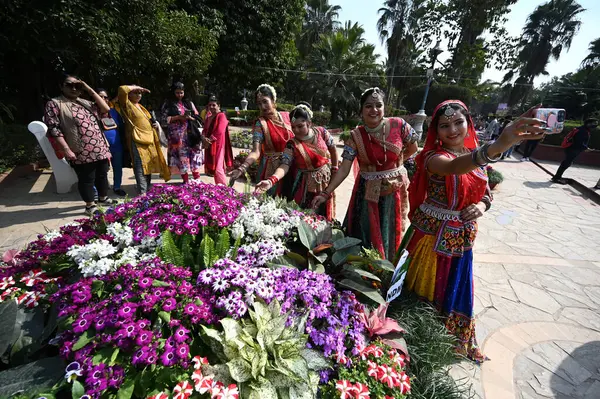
pixel 63 172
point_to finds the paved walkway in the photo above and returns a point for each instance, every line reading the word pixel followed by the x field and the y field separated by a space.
pixel 537 277
pixel 586 175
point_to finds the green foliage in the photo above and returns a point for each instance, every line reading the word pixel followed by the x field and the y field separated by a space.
pixel 260 35
pixel 32 377
pixel 495 177
pixel 168 251
pixel 263 356
pixel 107 43
pixel 437 94
pixel 431 350
pixel 549 30
pixel 17 146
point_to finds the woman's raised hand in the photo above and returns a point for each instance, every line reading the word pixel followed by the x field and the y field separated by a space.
pixel 235 174
pixel 525 127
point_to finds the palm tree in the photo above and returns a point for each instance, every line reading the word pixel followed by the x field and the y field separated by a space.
pixel 346 65
pixel 320 18
pixel 549 30
pixel 593 58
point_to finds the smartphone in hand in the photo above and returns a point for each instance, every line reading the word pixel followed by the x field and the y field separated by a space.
pixel 554 117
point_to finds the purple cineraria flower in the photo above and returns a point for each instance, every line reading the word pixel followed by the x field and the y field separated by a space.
pixel 144 337
pixel 139 357
pixel 169 305
pixel 81 325
pixel 127 310
pixel 181 334
pixel 168 358
pixel 170 344
pixel 145 282
pixel 182 351
pixel 220 285
pixel 190 309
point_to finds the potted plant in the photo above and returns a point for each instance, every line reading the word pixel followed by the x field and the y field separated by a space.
pixel 494 177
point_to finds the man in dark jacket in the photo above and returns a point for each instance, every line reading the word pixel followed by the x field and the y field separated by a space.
pixel 579 144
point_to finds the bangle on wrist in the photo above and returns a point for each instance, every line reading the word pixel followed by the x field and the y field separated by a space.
pixel 485 153
pixel 273 179
pixel 477 158
pixel 325 194
pixel 487 202
pixel 335 168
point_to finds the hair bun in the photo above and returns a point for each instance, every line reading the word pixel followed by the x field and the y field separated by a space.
pixel 305 103
pixel 304 106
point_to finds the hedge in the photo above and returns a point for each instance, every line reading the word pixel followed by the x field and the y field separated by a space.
pixel 437 94
pixel 557 139
pixel 17 146
pixel 319 118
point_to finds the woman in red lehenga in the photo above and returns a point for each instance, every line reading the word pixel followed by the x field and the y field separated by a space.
pixel 378 210
pixel 218 154
pixel 314 154
pixel 271 133
pixel 449 191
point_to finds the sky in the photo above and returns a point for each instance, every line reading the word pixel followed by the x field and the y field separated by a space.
pixel 365 13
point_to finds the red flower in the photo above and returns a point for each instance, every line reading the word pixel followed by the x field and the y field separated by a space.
pixel 386 375
pixel 199 361
pixel 372 370
pixel 230 392
pixel 183 390
pixel 361 391
pixel 161 395
pixel 404 382
pixel 6 281
pixel 346 389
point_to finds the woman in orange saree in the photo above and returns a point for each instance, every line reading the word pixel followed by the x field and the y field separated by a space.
pixel 314 154
pixel 270 135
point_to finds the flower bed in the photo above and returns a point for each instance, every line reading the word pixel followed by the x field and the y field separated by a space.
pixel 198 291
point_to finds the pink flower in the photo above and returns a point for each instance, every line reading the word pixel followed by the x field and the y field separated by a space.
pixel 361 391
pixel 345 388
pixel 398 359
pixel 161 395
pixel 376 351
pixel 341 358
pixel 183 390
pixel 230 392
pixel 9 257
pixel 378 324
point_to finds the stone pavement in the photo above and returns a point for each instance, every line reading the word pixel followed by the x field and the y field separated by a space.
pixel 586 175
pixel 537 277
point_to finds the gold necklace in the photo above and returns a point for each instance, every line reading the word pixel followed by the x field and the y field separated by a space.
pixel 457 153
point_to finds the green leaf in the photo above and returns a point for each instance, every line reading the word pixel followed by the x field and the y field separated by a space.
pixel 297 260
pixel 186 251
pixel 32 377
pixel 324 236
pixel 316 267
pixel 77 390
pixel 158 283
pixel 273 330
pixel 361 272
pixel 369 292
pixel 298 366
pixel 322 257
pixel 85 339
pixel 126 389
pixel 384 265
pixel 113 357
pixel 346 242
pixel 236 246
pixel 223 244
pixel 169 251
pixel 301 391
pixel 336 235
pixel 263 390
pixel 97 288
pixel 240 370
pixel 102 356
pixel 315 359
pixel 231 328
pixel 207 248
pixel 8 317
pixel 165 316
pixel 308 238
pixel 340 257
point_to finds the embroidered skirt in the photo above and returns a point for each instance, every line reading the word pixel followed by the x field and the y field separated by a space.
pixel 447 283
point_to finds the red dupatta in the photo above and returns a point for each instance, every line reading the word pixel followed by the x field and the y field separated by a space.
pixel 218 129
pixel 276 133
pixel 471 182
pixel 311 156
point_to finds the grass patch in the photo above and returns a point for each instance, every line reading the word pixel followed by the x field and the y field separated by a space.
pixel 431 351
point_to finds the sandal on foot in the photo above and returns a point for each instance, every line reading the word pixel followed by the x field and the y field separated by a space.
pixel 107 201
pixel 90 210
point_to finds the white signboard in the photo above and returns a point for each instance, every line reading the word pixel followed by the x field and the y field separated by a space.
pixel 398 278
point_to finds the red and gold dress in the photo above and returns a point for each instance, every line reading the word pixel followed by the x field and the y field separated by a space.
pixel 313 164
pixel 273 137
pixel 378 210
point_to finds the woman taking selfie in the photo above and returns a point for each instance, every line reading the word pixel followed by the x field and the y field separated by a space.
pixel 448 193
pixel 271 133
pixel 185 152
pixel 378 209
pixel 314 154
